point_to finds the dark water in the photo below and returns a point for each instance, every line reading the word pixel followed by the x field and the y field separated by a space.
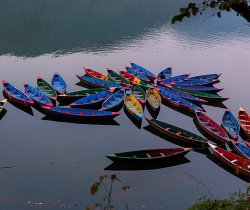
pixel 43 159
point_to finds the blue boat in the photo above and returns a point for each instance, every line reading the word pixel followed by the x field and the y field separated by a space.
pixel 206 76
pixel 186 96
pixel 174 79
pixel 196 82
pixel 164 74
pixel 137 74
pixel 144 71
pixel 37 96
pixel 98 82
pixel 79 114
pixel 93 100
pixel 230 124
pixel 198 88
pixel 114 101
pixel 241 149
pixel 58 83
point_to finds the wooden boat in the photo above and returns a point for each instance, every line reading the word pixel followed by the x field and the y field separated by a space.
pixel 178 133
pixel 73 96
pixel 137 74
pixel 186 96
pixel 133 106
pixel 196 82
pixel 247 144
pixel 174 79
pixel 16 94
pixel 202 95
pixel 206 76
pixel 198 88
pixel 2 104
pixel 58 83
pixel 37 96
pixel 98 82
pixel 114 101
pixel 118 78
pixel 231 159
pixel 178 101
pixel 153 98
pixel 139 93
pixel 150 156
pixel 142 70
pixel 46 88
pixel 241 149
pixel 244 121
pixel 134 80
pixel 93 100
pixel 230 124
pixel 211 127
pixel 98 75
pixel 79 114
pixel 164 74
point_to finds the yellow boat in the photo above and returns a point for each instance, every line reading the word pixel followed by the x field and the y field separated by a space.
pixel 133 106
pixel 153 99
pixel 244 121
pixel 2 103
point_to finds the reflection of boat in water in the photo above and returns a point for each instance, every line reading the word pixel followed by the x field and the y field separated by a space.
pixel 2 113
pixel 154 114
pixel 133 167
pixel 137 123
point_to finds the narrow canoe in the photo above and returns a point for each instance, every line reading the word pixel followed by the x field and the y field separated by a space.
pixel 206 76
pixel 231 159
pixel 197 82
pixel 244 121
pixel 139 93
pixel 58 83
pixel 133 106
pixel 198 88
pixel 46 88
pixel 202 95
pixel 118 78
pixel 17 95
pixel 37 96
pixel 186 96
pixel 79 114
pixel 247 144
pixel 164 74
pixel 153 99
pixel 178 101
pixel 2 104
pixel 93 100
pixel 114 101
pixel 241 149
pixel 98 82
pixel 97 75
pixel 137 74
pixel 73 96
pixel 150 156
pixel 211 127
pixel 144 71
pixel 230 124
pixel 178 133
pixel 174 79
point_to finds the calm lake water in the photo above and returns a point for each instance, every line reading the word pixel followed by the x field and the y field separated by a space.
pixel 54 162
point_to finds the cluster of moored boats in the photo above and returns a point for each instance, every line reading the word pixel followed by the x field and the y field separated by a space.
pixel 134 87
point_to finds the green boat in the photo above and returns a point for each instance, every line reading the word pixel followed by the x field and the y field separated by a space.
pixel 118 78
pixel 203 95
pixel 139 93
pixel 46 88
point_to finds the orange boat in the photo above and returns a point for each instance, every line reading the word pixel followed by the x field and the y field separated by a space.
pixel 244 121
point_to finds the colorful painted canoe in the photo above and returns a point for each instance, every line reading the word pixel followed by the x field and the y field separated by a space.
pixel 198 88
pixel 244 121
pixel 206 76
pixel 16 94
pixel 153 99
pixel 142 70
pixel 247 144
pixel 93 100
pixel 164 74
pixel 46 88
pixel 174 79
pixel 2 104
pixel 203 95
pixel 178 101
pixel 241 149
pixel 58 83
pixel 178 133
pixel 230 124
pixel 137 74
pixel 231 159
pixel 114 101
pixel 197 82
pixel 211 127
pixel 37 96
pixel 186 96
pixel 97 75
pixel 73 96
pixel 118 78
pixel 98 82
pixel 79 114
pixel 150 156
pixel 133 106
pixel 139 93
